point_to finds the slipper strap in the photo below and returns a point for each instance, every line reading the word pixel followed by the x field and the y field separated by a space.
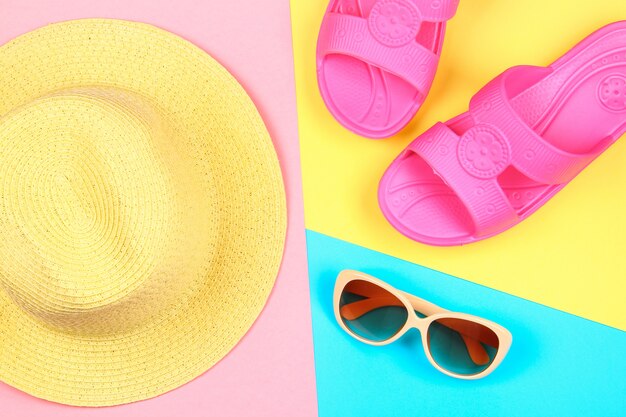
pixel 531 154
pixel 437 10
pixel 351 35
pixel 469 174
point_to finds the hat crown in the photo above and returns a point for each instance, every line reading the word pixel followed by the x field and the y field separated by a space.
pixel 94 201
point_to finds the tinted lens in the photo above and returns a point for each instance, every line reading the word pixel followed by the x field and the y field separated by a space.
pixel 370 311
pixel 462 346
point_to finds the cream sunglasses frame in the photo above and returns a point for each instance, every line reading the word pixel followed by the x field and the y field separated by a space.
pixel 432 313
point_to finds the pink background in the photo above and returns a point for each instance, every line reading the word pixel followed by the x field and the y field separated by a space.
pixel 270 372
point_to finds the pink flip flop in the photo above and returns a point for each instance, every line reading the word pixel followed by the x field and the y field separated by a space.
pixel 526 135
pixel 376 60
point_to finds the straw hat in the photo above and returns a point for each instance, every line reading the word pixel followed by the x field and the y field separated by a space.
pixel 142 212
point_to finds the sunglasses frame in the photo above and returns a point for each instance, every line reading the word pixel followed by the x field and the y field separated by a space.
pixel 432 312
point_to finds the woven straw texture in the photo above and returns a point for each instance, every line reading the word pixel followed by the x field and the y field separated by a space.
pixel 142 212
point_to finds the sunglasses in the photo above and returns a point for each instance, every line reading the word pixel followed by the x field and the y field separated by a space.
pixel 457 344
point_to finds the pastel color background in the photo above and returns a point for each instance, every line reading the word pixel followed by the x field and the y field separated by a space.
pixel 556 280
pixel 270 372
pixel 558 365
pixel 570 255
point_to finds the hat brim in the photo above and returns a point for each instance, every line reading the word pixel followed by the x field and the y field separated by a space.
pixel 229 140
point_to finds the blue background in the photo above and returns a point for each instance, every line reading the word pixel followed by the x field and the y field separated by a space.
pixel 558 365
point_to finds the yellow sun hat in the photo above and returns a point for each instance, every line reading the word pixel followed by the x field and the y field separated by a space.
pixel 142 212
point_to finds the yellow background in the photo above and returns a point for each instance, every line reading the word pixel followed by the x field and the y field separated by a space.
pixel 570 255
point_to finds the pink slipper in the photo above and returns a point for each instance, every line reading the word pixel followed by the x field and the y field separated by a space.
pixel 527 134
pixel 376 60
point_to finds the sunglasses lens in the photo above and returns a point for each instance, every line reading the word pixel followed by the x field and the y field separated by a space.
pixel 461 346
pixel 370 311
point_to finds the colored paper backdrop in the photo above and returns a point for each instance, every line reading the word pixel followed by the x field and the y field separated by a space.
pixel 569 255
pixel 270 373
pixel 558 364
